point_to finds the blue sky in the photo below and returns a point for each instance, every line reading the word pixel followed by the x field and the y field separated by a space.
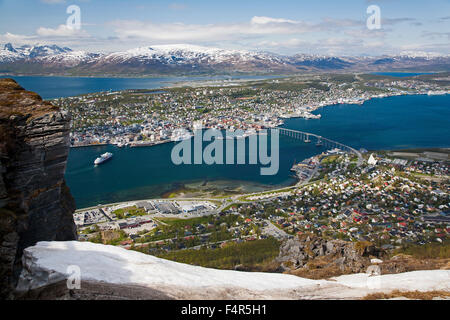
pixel 281 26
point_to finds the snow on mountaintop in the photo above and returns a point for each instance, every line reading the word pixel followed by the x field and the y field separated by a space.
pixel 186 53
pixel 10 53
pixel 48 54
pixel 305 56
pixel 186 58
pixel 69 59
pixel 47 263
pixel 171 48
pixel 37 50
pixel 421 54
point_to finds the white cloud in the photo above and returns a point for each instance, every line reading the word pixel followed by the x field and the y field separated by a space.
pixel 260 33
pixel 10 37
pixel 61 31
pixel 265 20
pixel 287 36
pixel 62 36
pixel 289 43
pixel 258 26
pixel 365 33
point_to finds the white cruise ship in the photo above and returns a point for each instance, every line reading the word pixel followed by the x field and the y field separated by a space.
pixel 103 158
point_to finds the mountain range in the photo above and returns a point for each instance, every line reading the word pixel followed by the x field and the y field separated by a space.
pixel 191 60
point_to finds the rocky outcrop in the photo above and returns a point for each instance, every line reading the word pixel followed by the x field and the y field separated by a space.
pixel 35 203
pixel 405 263
pixel 307 254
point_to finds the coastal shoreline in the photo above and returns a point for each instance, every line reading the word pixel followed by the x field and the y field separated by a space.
pixel 299 158
pixel 313 109
pixel 239 195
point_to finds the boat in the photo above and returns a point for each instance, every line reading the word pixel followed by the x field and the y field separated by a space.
pixel 103 158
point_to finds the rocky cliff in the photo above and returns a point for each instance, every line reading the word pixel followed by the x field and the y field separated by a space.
pixel 35 203
pixel 317 258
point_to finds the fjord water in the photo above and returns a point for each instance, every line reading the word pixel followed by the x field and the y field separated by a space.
pixel 140 173
pixel 400 122
pixel 400 74
pixel 60 87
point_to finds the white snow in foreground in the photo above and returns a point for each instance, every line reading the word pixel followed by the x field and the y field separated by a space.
pixel 119 266
pixel 409 281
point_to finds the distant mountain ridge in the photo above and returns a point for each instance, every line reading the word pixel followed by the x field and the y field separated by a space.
pixel 183 59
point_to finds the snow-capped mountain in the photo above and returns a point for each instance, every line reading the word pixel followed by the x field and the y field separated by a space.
pixel 189 58
pixel 181 54
pixel 422 54
pixel 44 54
pixel 183 59
pixel 321 62
pixel 27 51
pixel 69 59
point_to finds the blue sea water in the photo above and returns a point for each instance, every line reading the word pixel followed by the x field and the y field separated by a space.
pixel 400 74
pixel 139 173
pixel 400 122
pixel 57 87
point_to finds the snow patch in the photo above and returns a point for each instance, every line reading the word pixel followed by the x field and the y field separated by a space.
pixel 48 262
pixel 119 266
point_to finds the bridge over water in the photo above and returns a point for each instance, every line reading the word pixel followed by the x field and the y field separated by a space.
pixel 308 137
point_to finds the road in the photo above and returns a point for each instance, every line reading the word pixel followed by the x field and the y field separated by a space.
pixel 221 203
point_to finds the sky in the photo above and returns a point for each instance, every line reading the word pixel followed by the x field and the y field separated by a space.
pixel 288 27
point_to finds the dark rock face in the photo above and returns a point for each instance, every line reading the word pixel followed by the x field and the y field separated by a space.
pixel 35 203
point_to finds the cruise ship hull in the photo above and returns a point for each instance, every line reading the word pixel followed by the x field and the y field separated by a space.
pixel 104 158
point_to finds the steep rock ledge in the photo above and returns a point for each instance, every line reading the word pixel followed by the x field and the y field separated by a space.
pixel 316 258
pixel 35 203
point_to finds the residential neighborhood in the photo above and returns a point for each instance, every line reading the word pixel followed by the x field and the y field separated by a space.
pixel 389 200
pixel 151 117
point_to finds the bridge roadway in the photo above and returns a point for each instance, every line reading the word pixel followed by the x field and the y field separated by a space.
pixel 305 136
pixel 296 134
